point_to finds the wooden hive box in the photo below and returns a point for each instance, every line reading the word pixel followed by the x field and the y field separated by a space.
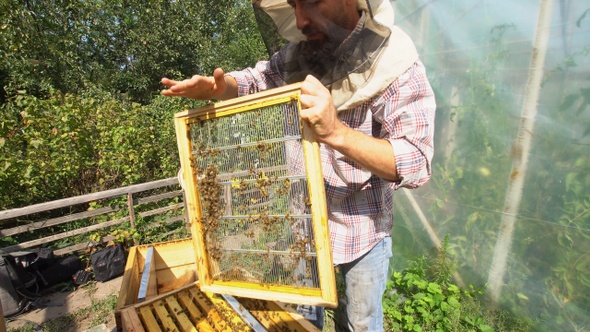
pixel 173 267
pixel 190 309
pixel 174 301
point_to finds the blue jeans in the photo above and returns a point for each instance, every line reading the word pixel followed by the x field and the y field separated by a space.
pixel 365 280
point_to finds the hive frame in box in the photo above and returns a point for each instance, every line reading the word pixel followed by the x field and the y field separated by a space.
pixel 189 308
pixel 323 292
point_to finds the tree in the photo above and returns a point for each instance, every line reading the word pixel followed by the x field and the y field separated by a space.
pixel 80 108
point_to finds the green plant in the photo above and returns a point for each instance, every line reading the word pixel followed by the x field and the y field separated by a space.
pixel 423 297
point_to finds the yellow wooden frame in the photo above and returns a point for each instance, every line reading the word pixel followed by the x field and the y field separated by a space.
pixel 190 308
pixel 326 294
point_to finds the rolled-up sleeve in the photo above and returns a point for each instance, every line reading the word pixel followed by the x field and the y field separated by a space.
pixel 264 75
pixel 408 124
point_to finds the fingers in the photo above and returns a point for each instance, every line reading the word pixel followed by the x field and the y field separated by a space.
pixel 318 110
pixel 314 93
pixel 196 87
pixel 220 84
pixel 175 88
pixel 168 82
pixel 311 85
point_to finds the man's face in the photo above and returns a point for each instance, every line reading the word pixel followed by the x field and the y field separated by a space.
pixel 323 21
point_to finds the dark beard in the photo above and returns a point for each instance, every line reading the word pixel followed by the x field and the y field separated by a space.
pixel 336 58
pixel 320 57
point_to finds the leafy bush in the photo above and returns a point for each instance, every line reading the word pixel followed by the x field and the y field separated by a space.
pixel 67 145
pixel 423 298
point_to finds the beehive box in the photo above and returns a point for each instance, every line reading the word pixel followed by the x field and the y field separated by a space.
pixel 190 309
pixel 173 267
pixel 178 304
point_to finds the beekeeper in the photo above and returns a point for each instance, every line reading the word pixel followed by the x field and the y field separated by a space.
pixel 368 101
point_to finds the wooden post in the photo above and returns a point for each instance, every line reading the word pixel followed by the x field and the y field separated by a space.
pixel 520 153
pixel 131 213
pixel 187 224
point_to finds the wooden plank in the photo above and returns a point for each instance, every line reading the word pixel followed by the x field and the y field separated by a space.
pixel 130 321
pixel 131 213
pixel 174 262
pixel 172 253
pixel 255 307
pixel 13 213
pixel 287 294
pixel 175 277
pixel 152 287
pixel 182 319
pixel 252 322
pixel 158 197
pixel 129 282
pixel 297 317
pixel 319 211
pixel 161 296
pixel 64 235
pixel 149 320
pixel 205 305
pixel 57 221
pixel 227 312
pixel 164 316
pixel 193 202
pixel 277 317
pixel 82 246
pixel 200 321
pixel 235 102
pixel 161 210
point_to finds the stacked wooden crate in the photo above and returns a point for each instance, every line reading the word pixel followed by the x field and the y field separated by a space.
pixel 160 292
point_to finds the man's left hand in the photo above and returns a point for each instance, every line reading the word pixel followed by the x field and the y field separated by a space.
pixel 319 112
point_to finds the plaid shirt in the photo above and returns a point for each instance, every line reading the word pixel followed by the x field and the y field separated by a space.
pixel 360 205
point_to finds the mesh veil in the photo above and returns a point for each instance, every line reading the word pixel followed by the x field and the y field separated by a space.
pixel 363 64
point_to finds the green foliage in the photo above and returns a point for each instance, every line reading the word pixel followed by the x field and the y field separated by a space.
pixel 68 145
pixel 478 112
pixel 121 47
pixel 80 104
pixel 423 298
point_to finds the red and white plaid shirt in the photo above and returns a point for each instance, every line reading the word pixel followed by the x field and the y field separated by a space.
pixel 360 205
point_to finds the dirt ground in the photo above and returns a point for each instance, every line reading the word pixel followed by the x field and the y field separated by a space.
pixel 58 304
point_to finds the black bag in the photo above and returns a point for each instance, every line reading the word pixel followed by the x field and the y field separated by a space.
pixel 108 262
pixel 11 301
pixel 18 287
pixel 62 270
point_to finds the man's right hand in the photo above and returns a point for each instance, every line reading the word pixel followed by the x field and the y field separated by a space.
pixel 202 87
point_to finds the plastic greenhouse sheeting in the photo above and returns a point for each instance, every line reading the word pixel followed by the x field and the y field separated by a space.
pixel 511 174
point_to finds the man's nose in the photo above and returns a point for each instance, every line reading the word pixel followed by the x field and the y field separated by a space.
pixel 301 17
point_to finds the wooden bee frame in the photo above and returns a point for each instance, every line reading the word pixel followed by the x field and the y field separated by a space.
pixel 256 202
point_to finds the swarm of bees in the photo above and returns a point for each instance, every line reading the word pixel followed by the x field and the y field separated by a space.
pixel 242 204
pixel 211 312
